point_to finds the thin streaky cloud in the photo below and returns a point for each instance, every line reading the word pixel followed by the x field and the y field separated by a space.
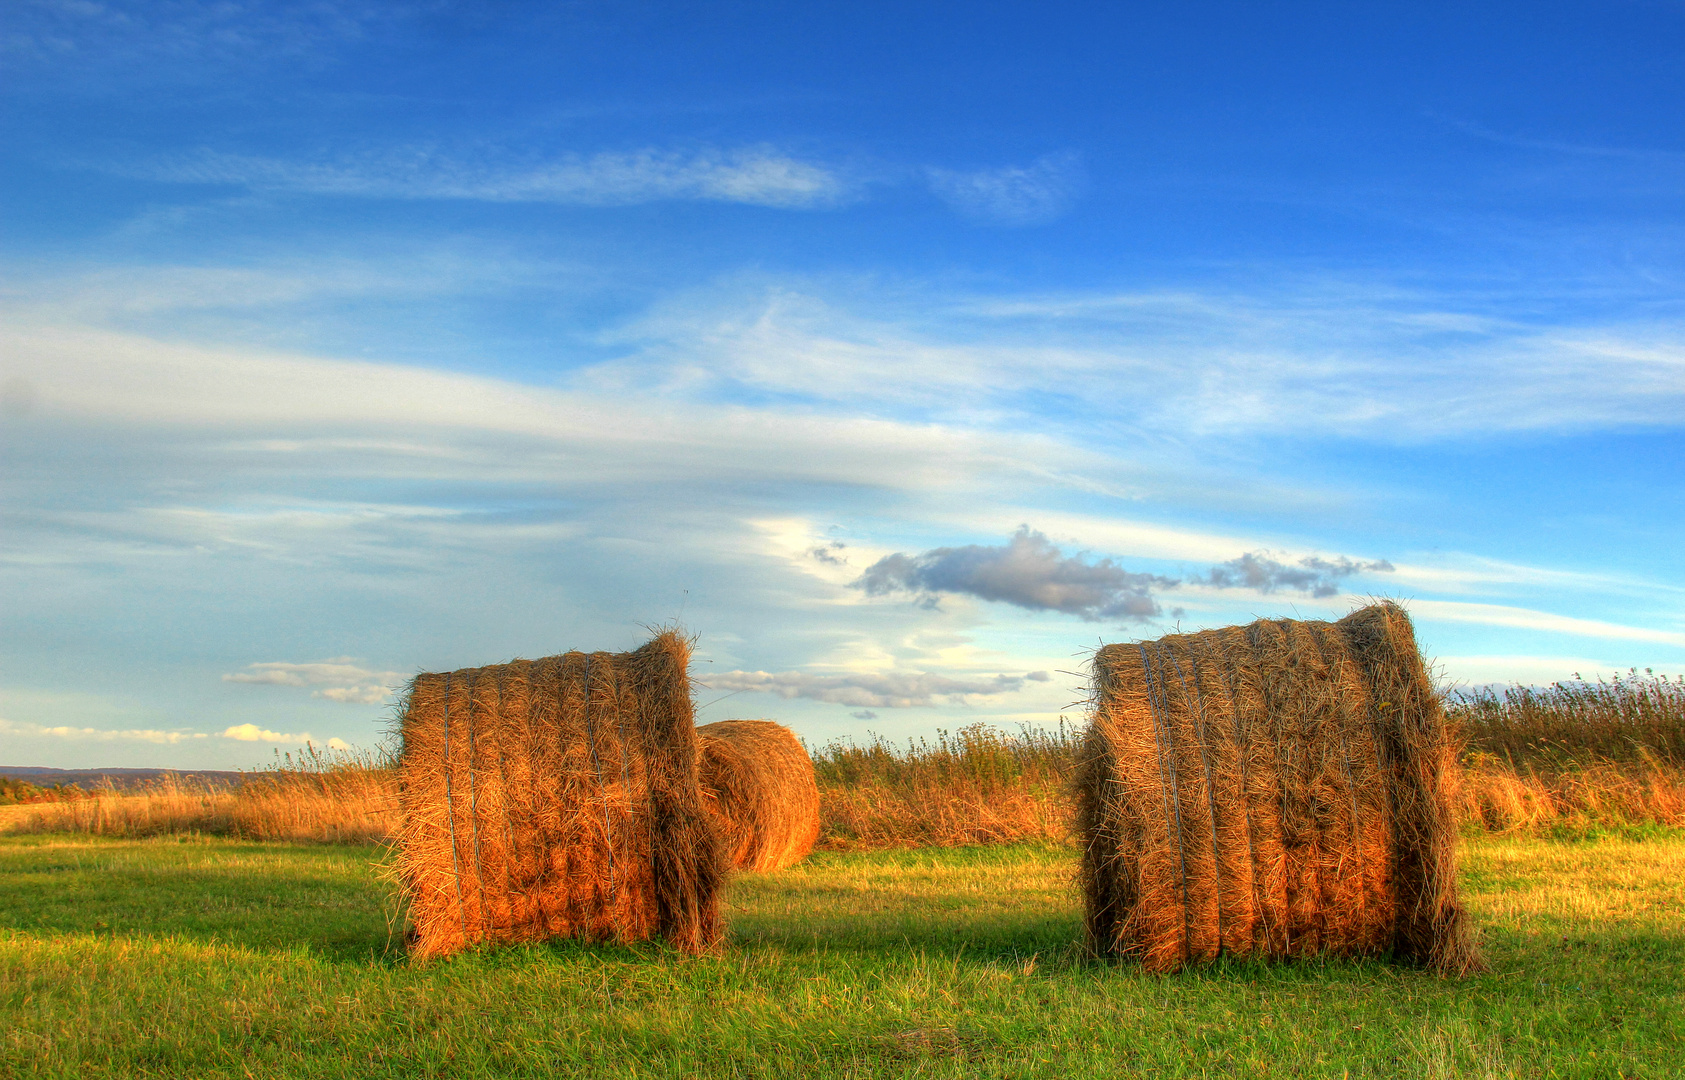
pixel 1505 669
pixel 336 680
pixel 1013 195
pixel 1394 369
pixel 1528 619
pixel 871 690
pixel 148 735
pixel 116 43
pixel 754 175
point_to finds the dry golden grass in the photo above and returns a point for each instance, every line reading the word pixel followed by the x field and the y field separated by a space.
pixel 976 786
pixel 1498 797
pixel 1632 719
pixel 316 797
pixel 1527 768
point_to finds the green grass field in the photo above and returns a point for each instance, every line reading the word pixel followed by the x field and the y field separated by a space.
pixel 197 957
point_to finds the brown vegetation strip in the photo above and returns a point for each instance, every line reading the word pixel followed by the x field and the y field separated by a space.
pixel 1523 770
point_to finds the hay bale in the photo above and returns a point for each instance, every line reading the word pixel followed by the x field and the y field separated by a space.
pixel 557 798
pixel 758 782
pixel 1278 789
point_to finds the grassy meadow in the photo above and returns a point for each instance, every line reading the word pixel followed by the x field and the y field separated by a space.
pixel 194 956
pixel 249 931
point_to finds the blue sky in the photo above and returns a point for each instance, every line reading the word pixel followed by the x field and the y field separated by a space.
pixel 902 353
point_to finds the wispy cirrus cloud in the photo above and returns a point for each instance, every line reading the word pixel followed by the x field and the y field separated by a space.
pixel 336 680
pixel 89 734
pixel 185 40
pixel 753 175
pixel 1328 359
pixel 1012 195
pixel 1520 618
pixel 869 690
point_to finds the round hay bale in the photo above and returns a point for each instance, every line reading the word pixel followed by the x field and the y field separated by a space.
pixel 556 798
pixel 1279 789
pixel 758 783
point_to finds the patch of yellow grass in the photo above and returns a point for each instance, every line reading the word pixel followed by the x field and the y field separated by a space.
pixel 976 787
pixel 351 805
pixel 1499 797
pixel 1557 888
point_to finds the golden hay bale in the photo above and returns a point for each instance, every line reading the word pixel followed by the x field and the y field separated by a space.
pixel 758 782
pixel 557 798
pixel 1278 789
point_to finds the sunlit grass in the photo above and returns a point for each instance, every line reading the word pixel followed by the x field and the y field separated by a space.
pixel 216 958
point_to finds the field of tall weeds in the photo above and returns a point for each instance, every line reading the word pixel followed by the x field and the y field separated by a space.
pixel 1575 755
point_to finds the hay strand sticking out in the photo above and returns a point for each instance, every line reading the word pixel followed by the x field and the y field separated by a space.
pixel 1280 789
pixel 556 798
pixel 758 782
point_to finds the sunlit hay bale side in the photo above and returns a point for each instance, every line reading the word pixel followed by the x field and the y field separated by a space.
pixel 757 781
pixel 1281 789
pixel 347 804
pixel 557 798
pixel 165 806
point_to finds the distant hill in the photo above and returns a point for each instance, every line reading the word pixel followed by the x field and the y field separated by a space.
pixel 120 779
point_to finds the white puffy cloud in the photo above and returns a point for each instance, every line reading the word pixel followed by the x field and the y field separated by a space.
pixel 253 733
pixel 1028 571
pixel 1031 572
pixel 1259 571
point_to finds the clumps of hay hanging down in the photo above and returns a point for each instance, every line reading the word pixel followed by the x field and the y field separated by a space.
pixel 557 798
pixel 1278 789
pixel 758 782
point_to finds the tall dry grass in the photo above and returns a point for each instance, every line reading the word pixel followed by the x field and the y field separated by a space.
pixel 978 785
pixel 333 797
pixel 1575 754
pixel 1631 719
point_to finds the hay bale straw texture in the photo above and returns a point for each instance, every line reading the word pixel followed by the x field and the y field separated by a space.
pixel 557 798
pixel 1279 789
pixel 758 782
